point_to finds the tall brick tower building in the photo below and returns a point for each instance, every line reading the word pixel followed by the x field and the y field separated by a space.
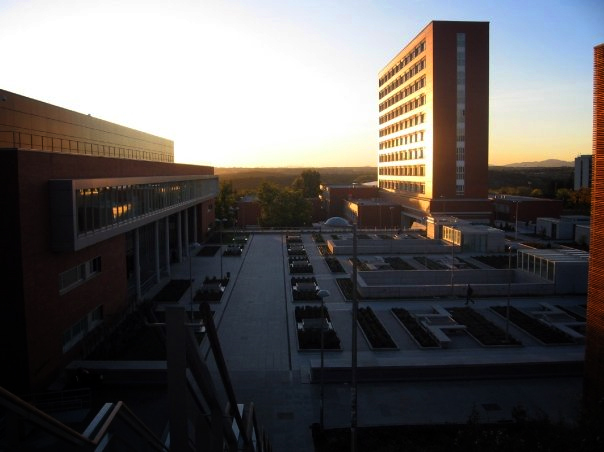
pixel 594 352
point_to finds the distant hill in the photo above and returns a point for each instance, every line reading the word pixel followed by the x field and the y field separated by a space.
pixel 549 163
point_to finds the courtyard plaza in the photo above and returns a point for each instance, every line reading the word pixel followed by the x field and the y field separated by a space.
pixel 257 330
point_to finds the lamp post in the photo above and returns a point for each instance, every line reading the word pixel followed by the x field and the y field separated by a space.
pixel 221 222
pixel 353 366
pixel 452 257
pixel 507 308
pixel 322 294
pixel 340 222
pixel 516 227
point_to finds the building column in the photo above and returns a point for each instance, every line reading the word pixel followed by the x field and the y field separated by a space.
pixel 194 211
pixel 186 231
pixel 167 246
pixel 179 235
pixel 156 243
pixel 137 265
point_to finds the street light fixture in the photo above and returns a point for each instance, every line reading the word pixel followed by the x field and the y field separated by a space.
pixel 507 309
pixel 322 294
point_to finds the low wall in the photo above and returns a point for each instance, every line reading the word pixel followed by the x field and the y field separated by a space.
pixel 406 246
pixel 437 283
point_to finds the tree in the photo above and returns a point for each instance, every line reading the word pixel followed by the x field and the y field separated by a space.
pixel 282 207
pixel 308 182
pixel 225 201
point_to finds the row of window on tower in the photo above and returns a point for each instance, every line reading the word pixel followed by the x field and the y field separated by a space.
pixel 406 170
pixel 404 124
pixel 409 154
pixel 400 95
pixel 404 61
pixel 405 108
pixel 410 138
pixel 412 72
pixel 395 185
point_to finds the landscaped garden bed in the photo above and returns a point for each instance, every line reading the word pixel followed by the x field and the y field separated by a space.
pixel 481 329
pixel 300 264
pixel 361 266
pixel 208 250
pixel 323 250
pixel 398 264
pixel 296 250
pixel 546 334
pixel 422 336
pixel 499 261
pixel 345 285
pixel 309 320
pixel 334 265
pixel 318 238
pixel 304 288
pixel 172 291
pixel 374 331
pixel 233 250
pixel 293 239
pixel 430 264
pixel 212 289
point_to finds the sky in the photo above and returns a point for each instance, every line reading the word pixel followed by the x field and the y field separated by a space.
pixel 294 83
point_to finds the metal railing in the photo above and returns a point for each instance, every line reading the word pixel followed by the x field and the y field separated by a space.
pixel 35 142
pixel 101 433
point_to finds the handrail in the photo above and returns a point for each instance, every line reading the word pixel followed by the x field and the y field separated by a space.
pixel 109 413
pixel 40 418
pixel 68 145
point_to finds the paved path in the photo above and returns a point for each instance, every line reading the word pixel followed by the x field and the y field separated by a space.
pixel 257 333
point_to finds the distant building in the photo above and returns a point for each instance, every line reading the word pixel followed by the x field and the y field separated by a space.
pixel 478 238
pixel 248 211
pixel 594 352
pixel 507 209
pixel 95 214
pixel 373 213
pixel 333 196
pixel 434 123
pixel 582 172
pixel 563 228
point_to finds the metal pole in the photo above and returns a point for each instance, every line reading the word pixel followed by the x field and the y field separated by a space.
pixel 191 284
pixel 353 367
pixel 321 423
pixel 516 228
pixel 507 309
pixel 452 258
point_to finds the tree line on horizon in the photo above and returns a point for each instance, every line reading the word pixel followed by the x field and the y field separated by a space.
pixel 284 194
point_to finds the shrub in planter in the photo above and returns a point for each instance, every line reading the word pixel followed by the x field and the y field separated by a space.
pixel 481 329
pixel 412 325
pixel 545 333
pixel 374 331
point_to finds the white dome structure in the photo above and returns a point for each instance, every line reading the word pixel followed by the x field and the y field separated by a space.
pixel 337 222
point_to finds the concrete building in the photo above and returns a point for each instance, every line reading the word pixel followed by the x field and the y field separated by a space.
pixel 333 196
pixel 509 209
pixel 563 228
pixel 594 353
pixel 478 238
pixel 582 172
pixel 373 213
pixel 433 129
pixel 95 214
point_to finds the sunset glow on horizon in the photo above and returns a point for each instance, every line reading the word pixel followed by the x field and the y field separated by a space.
pixel 266 83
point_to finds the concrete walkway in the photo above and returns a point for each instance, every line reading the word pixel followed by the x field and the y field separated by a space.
pixel 257 332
